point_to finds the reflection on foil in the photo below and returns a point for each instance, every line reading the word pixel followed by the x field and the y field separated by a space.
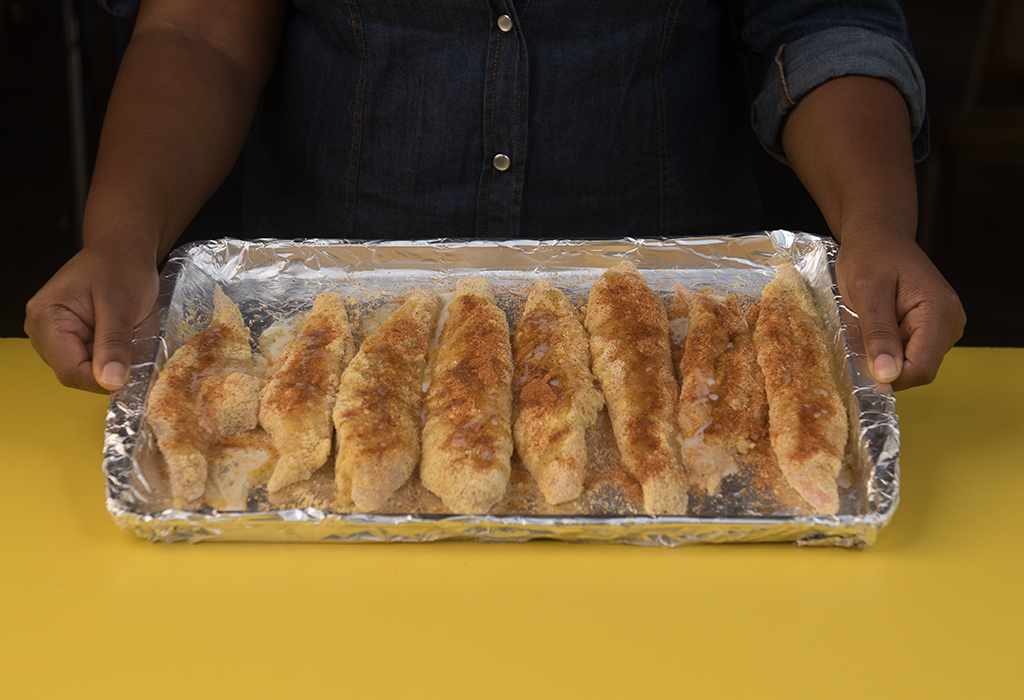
pixel 272 281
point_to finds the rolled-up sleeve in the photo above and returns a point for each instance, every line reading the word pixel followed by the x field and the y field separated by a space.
pixel 121 8
pixel 799 48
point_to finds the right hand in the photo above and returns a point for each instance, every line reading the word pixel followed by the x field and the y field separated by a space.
pixel 82 321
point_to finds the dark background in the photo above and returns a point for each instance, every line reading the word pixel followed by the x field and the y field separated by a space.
pixel 972 215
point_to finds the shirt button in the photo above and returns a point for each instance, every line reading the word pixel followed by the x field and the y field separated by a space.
pixel 505 23
pixel 501 162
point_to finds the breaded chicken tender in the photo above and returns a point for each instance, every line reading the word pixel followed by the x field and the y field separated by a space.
pixel 722 410
pixel 807 417
pixel 208 390
pixel 467 434
pixel 632 359
pixel 379 405
pixel 296 403
pixel 556 399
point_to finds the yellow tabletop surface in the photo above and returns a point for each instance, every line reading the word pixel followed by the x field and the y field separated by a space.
pixel 933 609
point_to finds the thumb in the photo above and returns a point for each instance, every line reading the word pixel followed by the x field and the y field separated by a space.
pixel 875 304
pixel 112 342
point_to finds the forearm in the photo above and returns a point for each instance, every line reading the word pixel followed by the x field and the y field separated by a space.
pixel 182 104
pixel 849 142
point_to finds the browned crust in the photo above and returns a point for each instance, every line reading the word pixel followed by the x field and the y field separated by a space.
pixel 467 434
pixel 208 390
pixel 379 405
pixel 808 421
pixel 555 395
pixel 723 412
pixel 632 359
pixel 296 403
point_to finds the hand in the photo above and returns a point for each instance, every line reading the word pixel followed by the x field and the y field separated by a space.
pixel 81 322
pixel 909 315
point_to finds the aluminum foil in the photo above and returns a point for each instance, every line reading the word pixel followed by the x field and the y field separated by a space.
pixel 272 280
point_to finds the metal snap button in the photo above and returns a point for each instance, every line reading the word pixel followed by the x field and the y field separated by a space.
pixel 501 162
pixel 505 23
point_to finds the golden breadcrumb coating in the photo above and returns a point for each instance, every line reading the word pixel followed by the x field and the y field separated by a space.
pixel 632 359
pixel 722 410
pixel 209 389
pixel 296 403
pixel 556 399
pixel 467 434
pixel 379 405
pixel 807 417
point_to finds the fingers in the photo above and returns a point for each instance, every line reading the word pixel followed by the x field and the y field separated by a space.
pixel 112 344
pixel 82 321
pixel 909 315
pixel 63 340
pixel 930 330
pixel 875 304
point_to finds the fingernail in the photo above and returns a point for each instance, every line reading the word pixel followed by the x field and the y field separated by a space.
pixel 113 375
pixel 885 369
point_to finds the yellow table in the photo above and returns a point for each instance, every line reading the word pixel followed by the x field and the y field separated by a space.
pixel 932 610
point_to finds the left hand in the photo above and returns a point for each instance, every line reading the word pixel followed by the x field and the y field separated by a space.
pixel 909 315
pixel 849 141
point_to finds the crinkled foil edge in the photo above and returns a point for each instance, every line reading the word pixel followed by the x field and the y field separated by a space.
pixel 874 405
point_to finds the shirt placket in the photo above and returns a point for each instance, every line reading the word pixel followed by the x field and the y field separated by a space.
pixel 504 126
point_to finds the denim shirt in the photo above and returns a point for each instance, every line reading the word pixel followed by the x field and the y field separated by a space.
pixel 545 118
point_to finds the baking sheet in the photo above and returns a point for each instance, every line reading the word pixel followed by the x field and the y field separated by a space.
pixel 273 280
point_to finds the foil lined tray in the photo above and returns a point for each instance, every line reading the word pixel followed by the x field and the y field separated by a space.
pixel 272 280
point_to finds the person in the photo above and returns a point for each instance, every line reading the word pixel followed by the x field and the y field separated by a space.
pixel 504 118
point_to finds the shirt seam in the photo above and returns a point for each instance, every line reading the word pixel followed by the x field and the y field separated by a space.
pixel 494 145
pixel 519 133
pixel 786 99
pixel 665 194
pixel 351 190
